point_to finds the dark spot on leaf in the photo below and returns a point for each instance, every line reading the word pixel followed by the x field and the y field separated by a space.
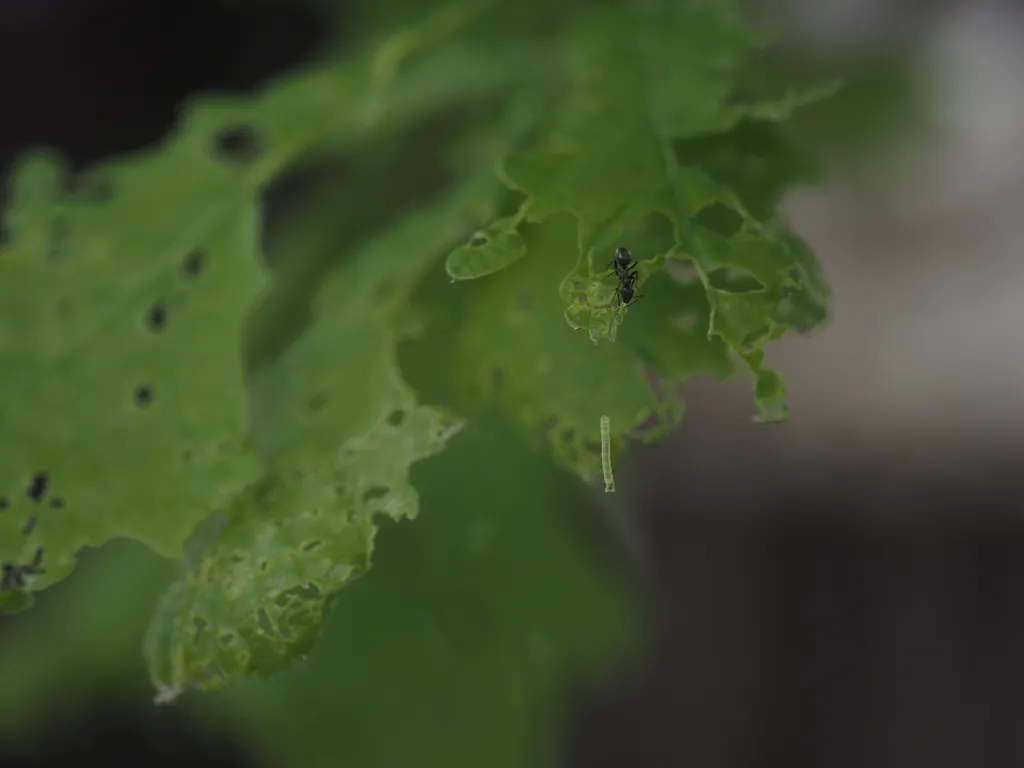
pixel 524 300
pixel 56 503
pixel 5 236
pixel 225 445
pixel 265 623
pixel 375 492
pixel 479 239
pixel 396 417
pixel 143 395
pixel 37 558
pixel 193 264
pixel 237 144
pixel 156 317
pixel 263 565
pixel 568 435
pixel 3 503
pixel 57 244
pixel 237 558
pixel 317 402
pixel 37 488
pixel 309 546
pixel 720 219
pixel 226 639
pixel 592 447
pixel 29 526
pixel 498 379
pixel 200 625
pixel 12 577
pixel 186 456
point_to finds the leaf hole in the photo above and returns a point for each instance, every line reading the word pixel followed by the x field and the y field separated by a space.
pixel 200 625
pixel 156 317
pixel 396 417
pixel 193 264
pixel 11 577
pixel 719 219
pixel 237 144
pixel 688 321
pixel 143 395
pixel 37 488
pixel 734 280
pixel 29 526
pixel 34 567
pixel 309 546
pixel 375 492
pixel 264 621
pixel 682 272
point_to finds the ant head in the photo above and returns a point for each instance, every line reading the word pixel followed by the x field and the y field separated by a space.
pixel 623 256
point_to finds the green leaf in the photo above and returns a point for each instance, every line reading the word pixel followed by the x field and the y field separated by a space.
pixel 515 348
pixel 123 399
pixel 257 597
pixel 489 250
pixel 653 82
pixel 343 442
pixel 459 647
pixel 124 295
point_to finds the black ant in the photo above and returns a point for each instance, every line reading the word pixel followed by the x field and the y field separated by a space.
pixel 625 270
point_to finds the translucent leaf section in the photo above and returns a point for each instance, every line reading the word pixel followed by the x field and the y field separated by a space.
pixel 258 595
pixel 346 430
pixel 515 348
pixel 651 82
pixel 489 250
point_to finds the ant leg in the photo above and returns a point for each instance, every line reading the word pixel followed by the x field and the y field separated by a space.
pixel 636 299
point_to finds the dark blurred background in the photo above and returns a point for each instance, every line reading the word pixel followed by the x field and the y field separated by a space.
pixel 843 590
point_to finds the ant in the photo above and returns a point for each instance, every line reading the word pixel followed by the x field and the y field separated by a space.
pixel 625 270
